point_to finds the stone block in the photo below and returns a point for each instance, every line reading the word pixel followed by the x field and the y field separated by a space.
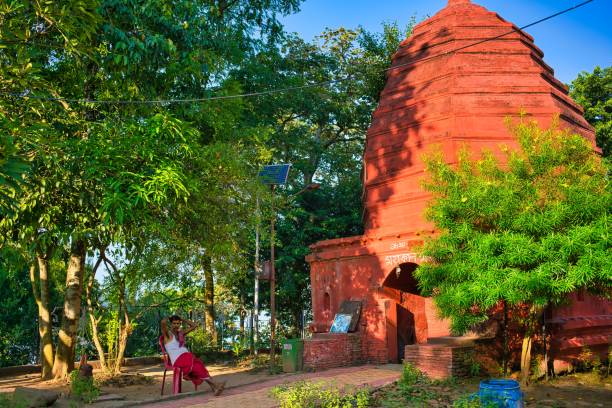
pixel 34 397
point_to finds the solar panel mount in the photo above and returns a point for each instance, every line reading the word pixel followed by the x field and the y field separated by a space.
pixel 274 174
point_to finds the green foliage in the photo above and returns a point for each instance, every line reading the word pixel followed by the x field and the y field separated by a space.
pixel 17 328
pixel 411 385
pixel 10 401
pixel 83 388
pixel 321 131
pixel 594 92
pixel 307 394
pixel 472 401
pixel 239 347
pixel 411 375
pixel 529 232
pixel 201 343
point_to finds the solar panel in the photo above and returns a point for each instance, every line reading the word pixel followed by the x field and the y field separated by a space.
pixel 274 174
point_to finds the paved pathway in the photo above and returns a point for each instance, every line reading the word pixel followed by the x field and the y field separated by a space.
pixel 258 395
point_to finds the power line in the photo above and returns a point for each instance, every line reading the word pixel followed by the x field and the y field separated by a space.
pixel 25 95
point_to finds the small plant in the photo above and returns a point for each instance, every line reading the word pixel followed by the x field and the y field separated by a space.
pixel 411 375
pixel 585 359
pixel 412 384
pixel 239 347
pixel 474 369
pixel 609 360
pixel 473 365
pixel 83 388
pixel 305 394
pixel 536 367
pixel 472 401
pixel 445 382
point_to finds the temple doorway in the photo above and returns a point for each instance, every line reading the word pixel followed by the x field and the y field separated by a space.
pixel 402 328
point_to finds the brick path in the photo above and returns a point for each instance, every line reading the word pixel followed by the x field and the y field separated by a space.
pixel 258 395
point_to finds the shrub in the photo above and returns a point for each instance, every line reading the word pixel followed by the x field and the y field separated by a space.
pixel 411 375
pixel 83 388
pixel 306 394
pixel 201 343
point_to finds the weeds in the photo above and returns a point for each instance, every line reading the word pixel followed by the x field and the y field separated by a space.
pixel 472 401
pixel 8 400
pixel 83 388
pixel 306 394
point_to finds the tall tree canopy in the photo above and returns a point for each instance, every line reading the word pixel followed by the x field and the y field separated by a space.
pixel 594 92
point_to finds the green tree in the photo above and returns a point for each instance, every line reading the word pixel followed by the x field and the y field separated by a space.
pixel 594 92
pixel 528 232
pixel 87 184
pixel 321 131
pixel 32 36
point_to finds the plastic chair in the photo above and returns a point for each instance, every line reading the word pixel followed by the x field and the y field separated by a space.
pixel 177 373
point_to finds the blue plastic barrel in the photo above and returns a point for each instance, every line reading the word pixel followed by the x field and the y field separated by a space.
pixel 500 393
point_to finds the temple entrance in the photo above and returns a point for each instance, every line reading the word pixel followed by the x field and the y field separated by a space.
pixel 402 328
pixel 406 334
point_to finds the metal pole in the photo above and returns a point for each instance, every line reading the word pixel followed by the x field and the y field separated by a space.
pixel 272 285
pixel 255 316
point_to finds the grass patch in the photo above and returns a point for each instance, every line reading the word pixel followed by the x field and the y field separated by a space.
pixel 8 400
pixel 261 362
pixel 415 389
pixel 306 394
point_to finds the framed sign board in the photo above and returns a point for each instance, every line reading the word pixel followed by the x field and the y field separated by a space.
pixel 341 323
pixel 347 318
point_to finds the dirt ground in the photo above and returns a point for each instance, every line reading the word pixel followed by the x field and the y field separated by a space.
pixel 145 381
pixel 580 390
pixel 577 390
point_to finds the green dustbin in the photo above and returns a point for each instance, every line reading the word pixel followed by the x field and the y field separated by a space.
pixel 293 355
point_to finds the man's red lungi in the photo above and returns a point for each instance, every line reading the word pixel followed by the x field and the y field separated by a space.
pixel 193 368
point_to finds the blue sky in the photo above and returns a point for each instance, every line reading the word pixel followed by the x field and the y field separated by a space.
pixel 574 42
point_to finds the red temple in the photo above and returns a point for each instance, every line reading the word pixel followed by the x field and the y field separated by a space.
pixel 452 83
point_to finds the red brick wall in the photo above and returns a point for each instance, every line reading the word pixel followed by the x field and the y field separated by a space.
pixel 439 361
pixel 329 350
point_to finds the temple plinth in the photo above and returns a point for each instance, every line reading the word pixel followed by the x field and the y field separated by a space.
pixel 453 83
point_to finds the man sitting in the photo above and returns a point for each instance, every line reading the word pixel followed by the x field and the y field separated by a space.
pixel 174 343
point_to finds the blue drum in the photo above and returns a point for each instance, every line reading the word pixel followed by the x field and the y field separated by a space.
pixel 500 393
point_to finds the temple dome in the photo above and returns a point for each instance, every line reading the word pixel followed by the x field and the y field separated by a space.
pixel 453 82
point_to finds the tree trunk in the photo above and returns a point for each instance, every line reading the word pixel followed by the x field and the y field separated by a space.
pixel 209 299
pixel 124 325
pixel 64 356
pixel 526 359
pixel 40 289
pixel 124 334
pixel 45 324
pixel 92 318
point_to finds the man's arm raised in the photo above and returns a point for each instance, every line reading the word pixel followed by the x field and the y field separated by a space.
pixel 164 329
pixel 192 326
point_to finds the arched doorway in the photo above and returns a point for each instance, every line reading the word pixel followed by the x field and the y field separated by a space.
pixel 406 313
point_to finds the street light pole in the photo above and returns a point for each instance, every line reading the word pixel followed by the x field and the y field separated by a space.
pixel 255 317
pixel 272 286
pixel 310 187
